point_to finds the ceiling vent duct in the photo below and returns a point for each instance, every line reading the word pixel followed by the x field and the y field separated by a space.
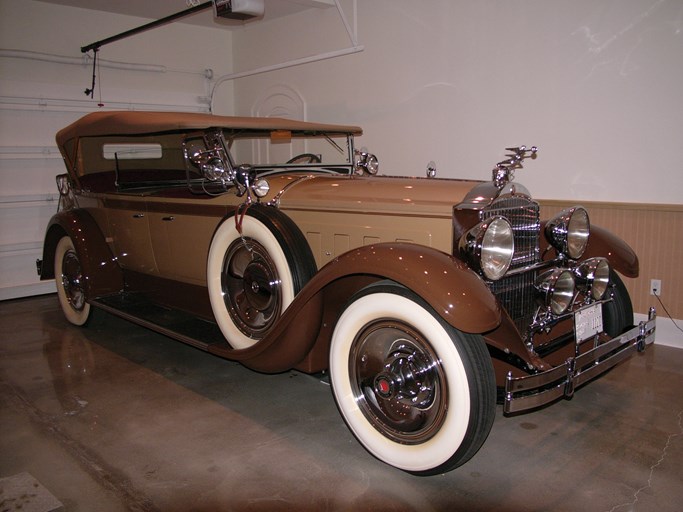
pixel 238 9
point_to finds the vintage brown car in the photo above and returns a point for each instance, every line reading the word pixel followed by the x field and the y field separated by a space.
pixel 276 243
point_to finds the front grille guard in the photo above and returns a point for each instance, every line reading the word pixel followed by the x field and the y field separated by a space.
pixel 532 391
pixel 516 292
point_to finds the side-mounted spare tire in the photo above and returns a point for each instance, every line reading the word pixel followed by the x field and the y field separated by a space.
pixel 416 392
pixel 257 263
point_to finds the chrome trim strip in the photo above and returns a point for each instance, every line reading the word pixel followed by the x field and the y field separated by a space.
pixel 529 392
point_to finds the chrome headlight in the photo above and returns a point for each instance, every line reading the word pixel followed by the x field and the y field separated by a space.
pixel 555 290
pixel 568 231
pixel 366 162
pixel 593 276
pixel 489 246
pixel 261 187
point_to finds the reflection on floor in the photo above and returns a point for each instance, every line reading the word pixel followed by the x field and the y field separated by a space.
pixel 113 417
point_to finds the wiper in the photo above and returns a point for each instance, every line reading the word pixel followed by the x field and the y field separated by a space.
pixel 331 141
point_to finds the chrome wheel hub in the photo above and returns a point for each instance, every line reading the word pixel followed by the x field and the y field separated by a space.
pixel 71 279
pixel 251 287
pixel 398 382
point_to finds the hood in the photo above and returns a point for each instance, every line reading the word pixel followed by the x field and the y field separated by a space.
pixel 386 194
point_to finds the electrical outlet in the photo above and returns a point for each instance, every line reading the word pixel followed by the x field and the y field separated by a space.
pixel 655 287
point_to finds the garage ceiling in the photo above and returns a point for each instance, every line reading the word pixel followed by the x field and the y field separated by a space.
pixel 157 9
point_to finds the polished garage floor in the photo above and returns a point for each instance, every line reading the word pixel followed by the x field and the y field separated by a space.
pixel 113 417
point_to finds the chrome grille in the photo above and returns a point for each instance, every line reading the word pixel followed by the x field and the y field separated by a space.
pixel 516 293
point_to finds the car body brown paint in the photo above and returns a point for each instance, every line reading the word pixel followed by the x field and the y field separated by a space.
pixel 456 293
pixel 102 273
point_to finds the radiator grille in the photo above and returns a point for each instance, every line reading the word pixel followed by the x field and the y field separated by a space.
pixel 516 293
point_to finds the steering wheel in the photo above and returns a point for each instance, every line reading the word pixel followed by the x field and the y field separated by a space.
pixel 305 158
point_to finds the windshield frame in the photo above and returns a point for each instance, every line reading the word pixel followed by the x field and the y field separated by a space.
pixel 343 165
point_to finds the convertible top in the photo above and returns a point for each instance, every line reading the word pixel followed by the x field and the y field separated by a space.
pixel 139 123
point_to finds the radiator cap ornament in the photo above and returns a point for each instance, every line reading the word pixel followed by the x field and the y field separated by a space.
pixel 504 172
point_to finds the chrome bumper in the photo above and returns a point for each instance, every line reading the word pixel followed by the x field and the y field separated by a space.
pixel 529 392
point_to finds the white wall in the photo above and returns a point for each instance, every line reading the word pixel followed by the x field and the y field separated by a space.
pixel 43 93
pixel 596 84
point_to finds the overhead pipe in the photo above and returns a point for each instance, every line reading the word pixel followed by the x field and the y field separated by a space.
pixel 105 63
pixel 84 106
pixel 148 26
pixel 353 34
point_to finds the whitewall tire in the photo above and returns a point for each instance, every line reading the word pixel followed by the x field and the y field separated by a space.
pixel 69 281
pixel 418 394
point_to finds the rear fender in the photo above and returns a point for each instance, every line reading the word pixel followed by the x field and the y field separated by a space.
pixel 102 273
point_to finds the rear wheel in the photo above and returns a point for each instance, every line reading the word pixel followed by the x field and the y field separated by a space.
pixel 69 281
pixel 417 393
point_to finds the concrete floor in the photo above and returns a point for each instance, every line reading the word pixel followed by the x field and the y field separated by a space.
pixel 113 417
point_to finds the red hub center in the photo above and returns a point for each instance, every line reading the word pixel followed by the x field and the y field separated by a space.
pixel 383 386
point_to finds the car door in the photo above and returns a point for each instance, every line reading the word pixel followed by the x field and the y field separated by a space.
pixel 181 232
pixel 130 232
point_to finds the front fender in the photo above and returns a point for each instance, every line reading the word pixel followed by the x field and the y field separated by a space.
pixel 100 268
pixel 620 255
pixel 602 242
pixel 454 291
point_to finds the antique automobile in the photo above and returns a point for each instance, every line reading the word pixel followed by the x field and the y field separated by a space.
pixel 276 243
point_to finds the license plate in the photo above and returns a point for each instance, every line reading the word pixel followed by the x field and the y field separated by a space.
pixel 588 322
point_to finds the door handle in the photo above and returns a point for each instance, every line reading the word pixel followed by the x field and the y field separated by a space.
pixel 169 218
pixel 138 215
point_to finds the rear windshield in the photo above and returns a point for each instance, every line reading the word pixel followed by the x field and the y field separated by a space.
pixel 103 154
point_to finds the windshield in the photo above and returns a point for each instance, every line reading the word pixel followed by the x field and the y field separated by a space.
pixel 276 149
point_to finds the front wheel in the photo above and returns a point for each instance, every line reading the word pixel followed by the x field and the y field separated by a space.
pixel 69 281
pixel 618 313
pixel 417 393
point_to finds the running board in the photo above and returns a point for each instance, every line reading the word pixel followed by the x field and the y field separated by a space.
pixel 170 322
